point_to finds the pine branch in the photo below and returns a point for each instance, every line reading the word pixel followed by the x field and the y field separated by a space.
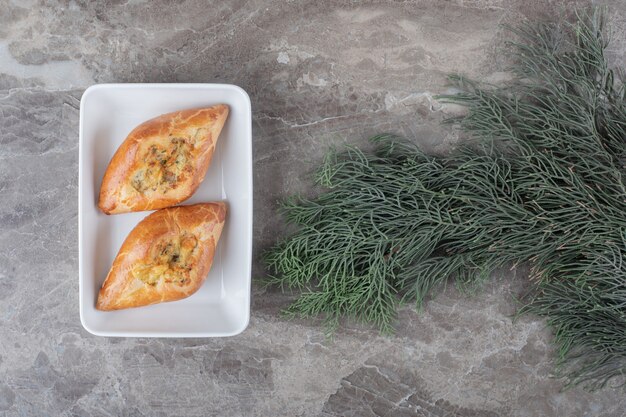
pixel 544 186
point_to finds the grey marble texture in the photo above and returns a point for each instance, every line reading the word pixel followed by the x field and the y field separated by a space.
pixel 318 73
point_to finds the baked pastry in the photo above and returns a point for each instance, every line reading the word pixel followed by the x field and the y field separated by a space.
pixel 162 161
pixel 166 257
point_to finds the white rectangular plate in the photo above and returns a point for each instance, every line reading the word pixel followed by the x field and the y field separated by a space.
pixel 221 307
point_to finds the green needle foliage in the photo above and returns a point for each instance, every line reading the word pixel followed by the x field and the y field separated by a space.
pixel 544 186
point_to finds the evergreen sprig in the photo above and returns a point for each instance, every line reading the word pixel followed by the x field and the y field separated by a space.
pixel 544 186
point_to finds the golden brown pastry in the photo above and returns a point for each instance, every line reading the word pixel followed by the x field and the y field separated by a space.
pixel 166 257
pixel 162 161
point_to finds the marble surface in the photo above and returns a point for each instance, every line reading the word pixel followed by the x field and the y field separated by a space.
pixel 318 73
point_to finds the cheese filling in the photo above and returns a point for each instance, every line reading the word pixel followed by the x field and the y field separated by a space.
pixel 172 261
pixel 163 166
